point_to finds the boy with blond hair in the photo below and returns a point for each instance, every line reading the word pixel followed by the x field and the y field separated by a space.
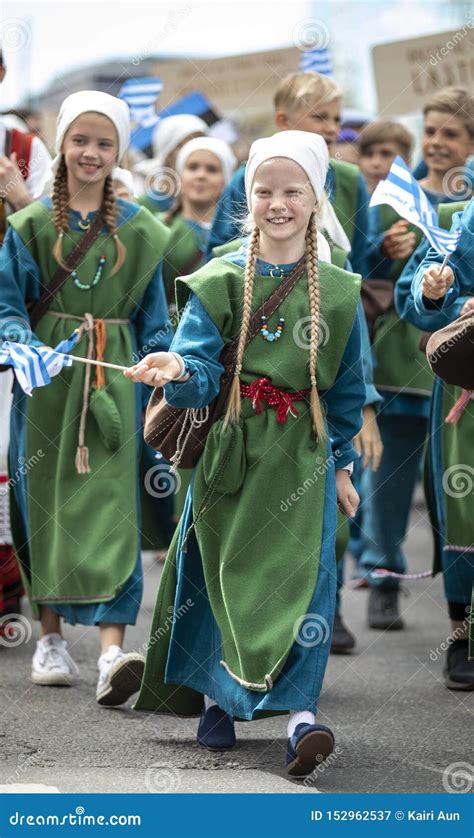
pixel 309 102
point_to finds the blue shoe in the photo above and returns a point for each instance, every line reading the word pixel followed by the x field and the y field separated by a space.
pixel 307 748
pixel 216 730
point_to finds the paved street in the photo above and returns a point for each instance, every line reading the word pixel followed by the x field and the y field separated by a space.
pixel 397 727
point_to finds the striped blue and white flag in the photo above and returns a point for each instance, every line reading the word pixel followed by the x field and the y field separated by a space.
pixel 34 366
pixel 317 59
pixel 401 191
pixel 141 95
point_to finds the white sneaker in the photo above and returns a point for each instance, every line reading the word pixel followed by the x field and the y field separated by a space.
pixel 52 664
pixel 120 676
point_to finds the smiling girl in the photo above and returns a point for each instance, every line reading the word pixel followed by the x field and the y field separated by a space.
pixel 205 166
pixel 250 588
pixel 75 516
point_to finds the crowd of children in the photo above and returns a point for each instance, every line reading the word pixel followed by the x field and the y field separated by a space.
pixel 261 264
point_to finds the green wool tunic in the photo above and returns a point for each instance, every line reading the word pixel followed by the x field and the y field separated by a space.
pixel 83 529
pixel 260 566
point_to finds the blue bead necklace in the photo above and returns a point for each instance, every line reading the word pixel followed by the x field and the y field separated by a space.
pixel 82 285
pixel 273 337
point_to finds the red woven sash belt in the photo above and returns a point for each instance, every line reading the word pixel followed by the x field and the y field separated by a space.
pixel 262 390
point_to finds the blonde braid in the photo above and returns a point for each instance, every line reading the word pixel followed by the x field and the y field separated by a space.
pixel 234 403
pixel 109 211
pixel 60 200
pixel 312 269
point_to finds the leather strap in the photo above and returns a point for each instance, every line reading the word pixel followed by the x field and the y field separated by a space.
pixel 42 305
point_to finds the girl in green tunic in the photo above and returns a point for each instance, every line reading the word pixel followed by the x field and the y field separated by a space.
pixel 243 620
pixel 75 515
pixel 204 165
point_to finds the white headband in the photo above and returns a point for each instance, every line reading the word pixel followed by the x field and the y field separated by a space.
pixel 86 101
pixel 219 148
pixel 308 150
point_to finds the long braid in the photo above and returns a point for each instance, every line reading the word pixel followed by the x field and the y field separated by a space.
pixel 109 211
pixel 60 200
pixel 312 269
pixel 234 403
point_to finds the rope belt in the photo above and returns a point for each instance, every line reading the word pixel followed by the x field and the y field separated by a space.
pixel 91 327
pixel 262 390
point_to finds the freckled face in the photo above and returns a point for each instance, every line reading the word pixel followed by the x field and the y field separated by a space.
pixel 282 199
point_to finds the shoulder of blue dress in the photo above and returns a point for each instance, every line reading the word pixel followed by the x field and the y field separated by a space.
pixel 47 202
pixel 127 210
pixel 237 257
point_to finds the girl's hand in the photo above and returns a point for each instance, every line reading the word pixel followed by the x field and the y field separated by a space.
pixel 398 242
pixel 468 307
pixel 368 441
pixel 347 497
pixel 156 369
pixel 435 284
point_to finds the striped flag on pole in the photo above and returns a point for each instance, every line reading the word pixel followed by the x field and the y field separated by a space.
pixel 34 366
pixel 317 59
pixel 141 95
pixel 401 191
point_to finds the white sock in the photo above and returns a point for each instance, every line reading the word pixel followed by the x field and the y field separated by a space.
pixel 298 717
pixel 209 702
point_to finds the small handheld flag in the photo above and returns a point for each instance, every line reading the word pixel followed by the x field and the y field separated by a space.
pixel 316 59
pixel 34 366
pixel 401 191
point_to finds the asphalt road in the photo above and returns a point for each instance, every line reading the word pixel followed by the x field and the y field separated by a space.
pixel 398 729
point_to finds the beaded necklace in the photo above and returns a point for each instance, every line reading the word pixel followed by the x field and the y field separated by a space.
pixel 273 337
pixel 82 285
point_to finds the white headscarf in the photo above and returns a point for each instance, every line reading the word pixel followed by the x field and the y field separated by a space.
pixel 219 148
pixel 311 152
pixel 88 101
pixel 169 133
pixel 308 150
pixel 95 101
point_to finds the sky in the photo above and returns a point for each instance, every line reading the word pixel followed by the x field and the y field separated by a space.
pixel 44 39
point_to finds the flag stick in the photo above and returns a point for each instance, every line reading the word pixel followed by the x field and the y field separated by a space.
pixel 445 262
pixel 95 363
